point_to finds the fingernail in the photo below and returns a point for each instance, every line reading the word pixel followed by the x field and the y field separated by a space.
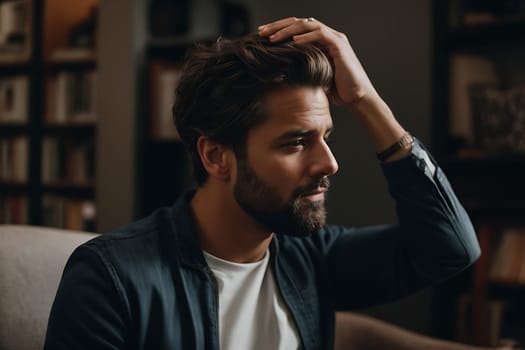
pixel 261 27
pixel 273 37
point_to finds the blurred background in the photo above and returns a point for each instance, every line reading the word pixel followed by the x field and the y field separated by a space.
pixel 87 140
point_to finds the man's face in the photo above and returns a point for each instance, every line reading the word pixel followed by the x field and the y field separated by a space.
pixel 282 178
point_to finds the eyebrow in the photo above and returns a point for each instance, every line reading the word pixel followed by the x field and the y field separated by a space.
pixel 300 133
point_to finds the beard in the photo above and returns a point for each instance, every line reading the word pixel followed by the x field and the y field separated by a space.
pixel 295 217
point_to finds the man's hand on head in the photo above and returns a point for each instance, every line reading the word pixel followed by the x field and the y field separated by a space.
pixel 352 84
pixel 353 89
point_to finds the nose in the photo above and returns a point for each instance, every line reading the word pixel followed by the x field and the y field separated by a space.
pixel 323 162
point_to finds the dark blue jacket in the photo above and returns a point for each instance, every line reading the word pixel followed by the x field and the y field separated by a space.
pixel 147 286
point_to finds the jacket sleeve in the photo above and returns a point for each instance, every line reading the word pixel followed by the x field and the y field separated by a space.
pixel 433 240
pixel 88 311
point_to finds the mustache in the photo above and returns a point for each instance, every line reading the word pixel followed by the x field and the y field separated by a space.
pixel 323 183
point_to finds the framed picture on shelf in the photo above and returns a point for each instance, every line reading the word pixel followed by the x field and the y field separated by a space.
pixel 15 30
pixel 164 77
pixel 499 119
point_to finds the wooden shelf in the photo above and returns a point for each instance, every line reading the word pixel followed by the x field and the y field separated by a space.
pixel 491 189
pixel 82 190
pixel 503 286
pixel 13 187
pixel 16 68
pixel 13 128
pixel 497 32
pixel 509 161
pixel 72 64
pixel 71 126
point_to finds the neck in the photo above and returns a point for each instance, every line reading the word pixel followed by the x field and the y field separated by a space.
pixel 224 229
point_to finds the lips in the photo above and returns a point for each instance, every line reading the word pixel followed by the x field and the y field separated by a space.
pixel 316 196
pixel 320 186
pixel 316 192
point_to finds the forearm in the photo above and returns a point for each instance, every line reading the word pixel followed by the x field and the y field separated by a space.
pixel 380 124
pixel 360 332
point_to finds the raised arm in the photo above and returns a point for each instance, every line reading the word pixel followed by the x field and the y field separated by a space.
pixel 433 238
pixel 353 88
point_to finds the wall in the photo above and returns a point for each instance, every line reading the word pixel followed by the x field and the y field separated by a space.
pixel 392 40
pixel 121 45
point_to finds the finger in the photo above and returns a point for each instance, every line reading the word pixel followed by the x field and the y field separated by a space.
pixel 274 27
pixel 307 38
pixel 277 25
pixel 297 28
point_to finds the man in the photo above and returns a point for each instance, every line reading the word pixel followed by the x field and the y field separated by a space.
pixel 246 261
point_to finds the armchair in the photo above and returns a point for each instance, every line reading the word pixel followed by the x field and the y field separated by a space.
pixel 31 264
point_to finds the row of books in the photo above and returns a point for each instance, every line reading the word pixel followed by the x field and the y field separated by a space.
pixel 68 161
pixel 508 263
pixel 68 213
pixel 14 99
pixel 13 210
pixel 71 97
pixel 14 159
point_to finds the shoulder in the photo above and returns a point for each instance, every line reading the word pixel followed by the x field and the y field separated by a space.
pixel 133 252
pixel 137 237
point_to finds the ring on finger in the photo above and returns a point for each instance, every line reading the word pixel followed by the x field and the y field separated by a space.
pixel 310 19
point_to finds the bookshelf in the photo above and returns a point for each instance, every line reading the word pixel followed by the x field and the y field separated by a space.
pixel 479 139
pixel 47 113
pixel 18 53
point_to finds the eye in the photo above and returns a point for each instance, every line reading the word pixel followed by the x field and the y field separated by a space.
pixel 294 145
pixel 298 142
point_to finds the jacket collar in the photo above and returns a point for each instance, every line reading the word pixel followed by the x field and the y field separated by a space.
pixel 185 234
pixel 186 238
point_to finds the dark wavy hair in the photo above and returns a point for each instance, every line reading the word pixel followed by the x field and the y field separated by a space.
pixel 223 86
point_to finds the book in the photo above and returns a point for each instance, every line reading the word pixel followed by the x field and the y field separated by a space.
pixel 68 213
pixel 13 210
pixel 50 160
pixel 20 159
pixel 14 100
pixel 14 159
pixel 164 80
pixel 509 257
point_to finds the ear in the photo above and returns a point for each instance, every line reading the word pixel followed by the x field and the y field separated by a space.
pixel 216 158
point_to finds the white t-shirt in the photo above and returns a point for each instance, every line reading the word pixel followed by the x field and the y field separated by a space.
pixel 252 314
